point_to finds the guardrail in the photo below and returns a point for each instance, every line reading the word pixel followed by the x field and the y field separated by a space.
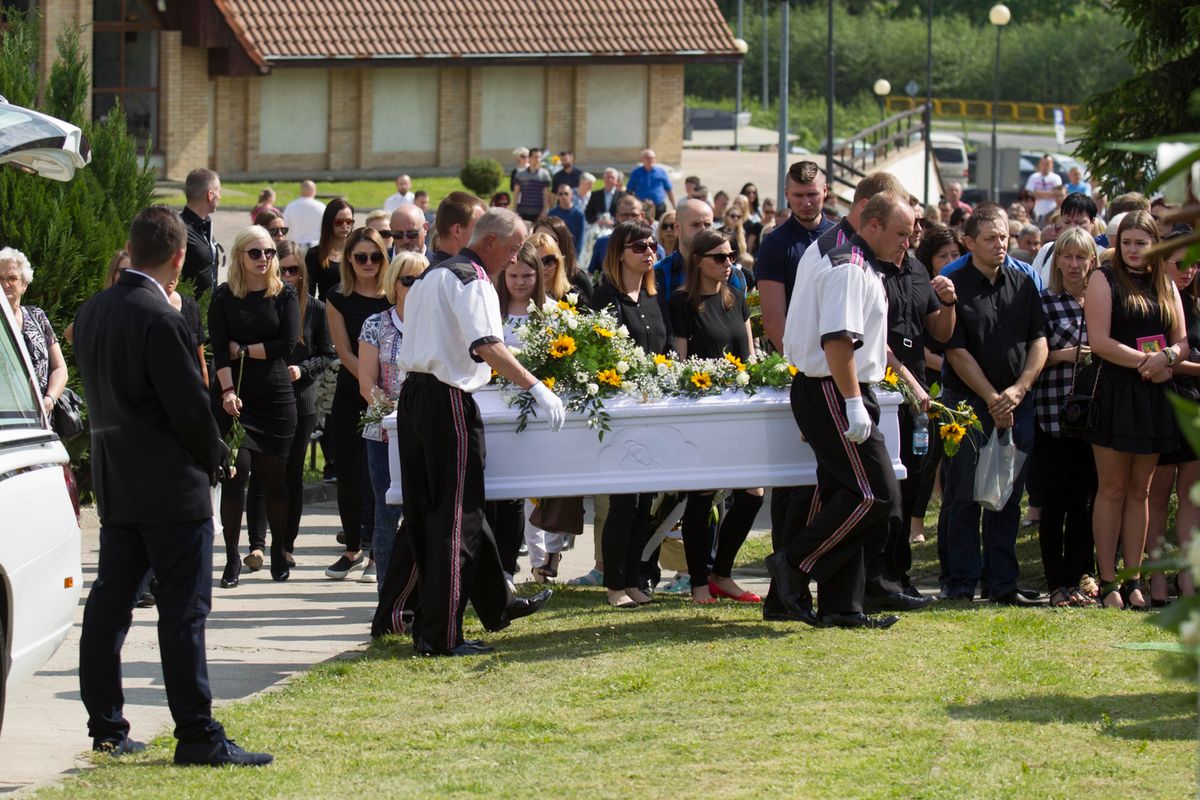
pixel 855 156
pixel 1007 110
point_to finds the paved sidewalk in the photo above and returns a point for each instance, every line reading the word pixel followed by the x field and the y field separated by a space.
pixel 259 635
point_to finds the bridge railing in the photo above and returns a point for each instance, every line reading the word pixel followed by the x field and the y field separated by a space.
pixel 1006 110
pixel 859 154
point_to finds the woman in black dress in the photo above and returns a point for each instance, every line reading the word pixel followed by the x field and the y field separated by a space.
pixel 324 261
pixel 358 296
pixel 1135 326
pixel 710 319
pixel 628 290
pixel 254 323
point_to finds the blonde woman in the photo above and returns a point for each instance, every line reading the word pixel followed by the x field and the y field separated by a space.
pixel 381 222
pixel 254 324
pixel 553 265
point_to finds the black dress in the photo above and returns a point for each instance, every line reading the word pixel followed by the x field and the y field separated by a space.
pixel 1187 385
pixel 1134 416
pixel 714 330
pixel 642 317
pixel 321 279
pixel 268 404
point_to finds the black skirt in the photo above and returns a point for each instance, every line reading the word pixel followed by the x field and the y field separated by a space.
pixel 1134 416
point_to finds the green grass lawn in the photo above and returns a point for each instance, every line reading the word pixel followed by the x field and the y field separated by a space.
pixel 363 195
pixel 581 701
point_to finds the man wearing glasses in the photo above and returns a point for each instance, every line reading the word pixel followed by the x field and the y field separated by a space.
pixel 408 229
pixel 565 210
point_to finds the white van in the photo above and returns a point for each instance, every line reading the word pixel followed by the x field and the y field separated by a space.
pixel 951 155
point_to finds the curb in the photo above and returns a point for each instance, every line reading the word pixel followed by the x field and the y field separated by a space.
pixel 320 493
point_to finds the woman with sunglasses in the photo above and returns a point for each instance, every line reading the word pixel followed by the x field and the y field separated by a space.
pixel 273 222
pixel 310 358
pixel 324 261
pixel 628 289
pixel 381 222
pixel 710 319
pixel 578 280
pixel 357 297
pixel 668 233
pixel 254 323
pixel 552 264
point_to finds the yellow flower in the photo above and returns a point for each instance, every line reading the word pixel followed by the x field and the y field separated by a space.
pixel 494 375
pixel 549 382
pixel 792 370
pixel 737 362
pixel 605 332
pixel 701 380
pixel 562 346
pixel 953 431
pixel 610 377
pixel 890 377
pixel 659 358
pixel 565 306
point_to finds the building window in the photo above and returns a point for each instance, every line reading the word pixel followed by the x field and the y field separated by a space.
pixel 13 6
pixel 616 103
pixel 125 52
pixel 294 112
pixel 404 103
pixel 514 108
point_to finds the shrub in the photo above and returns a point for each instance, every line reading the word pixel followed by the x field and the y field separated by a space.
pixel 482 176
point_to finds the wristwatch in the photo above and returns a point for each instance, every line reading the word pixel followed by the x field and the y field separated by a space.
pixel 1171 357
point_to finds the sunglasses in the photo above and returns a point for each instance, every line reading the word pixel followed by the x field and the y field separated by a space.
pixel 410 235
pixel 720 258
pixel 385 234
pixel 666 226
pixel 258 253
pixel 640 247
pixel 549 261
pixel 290 270
pixel 362 258
pixel 278 231
pixel 345 223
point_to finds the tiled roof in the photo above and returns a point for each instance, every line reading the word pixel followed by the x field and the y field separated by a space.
pixel 275 31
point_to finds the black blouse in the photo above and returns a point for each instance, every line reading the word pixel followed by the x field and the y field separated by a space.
pixel 714 330
pixel 642 317
pixel 321 280
pixel 354 308
pixel 313 355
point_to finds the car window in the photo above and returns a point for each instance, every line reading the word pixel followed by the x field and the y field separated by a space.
pixel 948 154
pixel 18 406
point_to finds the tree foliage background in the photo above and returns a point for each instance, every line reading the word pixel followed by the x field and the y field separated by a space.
pixel 69 230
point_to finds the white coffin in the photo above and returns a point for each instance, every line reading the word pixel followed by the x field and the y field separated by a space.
pixel 717 442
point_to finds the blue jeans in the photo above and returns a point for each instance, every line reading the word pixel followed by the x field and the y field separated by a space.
pixel 387 518
pixel 959 522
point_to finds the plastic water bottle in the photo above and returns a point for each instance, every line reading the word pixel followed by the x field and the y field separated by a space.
pixel 920 442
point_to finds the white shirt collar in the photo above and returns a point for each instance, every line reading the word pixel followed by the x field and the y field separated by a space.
pixel 152 280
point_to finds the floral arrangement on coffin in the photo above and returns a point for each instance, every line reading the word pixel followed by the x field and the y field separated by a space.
pixel 953 423
pixel 586 357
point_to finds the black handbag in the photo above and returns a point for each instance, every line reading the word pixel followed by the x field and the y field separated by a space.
pixel 67 416
pixel 1079 413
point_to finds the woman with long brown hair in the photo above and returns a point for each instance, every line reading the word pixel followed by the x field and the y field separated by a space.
pixel 324 261
pixel 1135 328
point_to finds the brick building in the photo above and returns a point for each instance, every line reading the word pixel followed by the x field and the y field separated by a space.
pixel 290 87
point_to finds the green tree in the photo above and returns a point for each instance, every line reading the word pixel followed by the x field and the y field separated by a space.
pixel 1160 99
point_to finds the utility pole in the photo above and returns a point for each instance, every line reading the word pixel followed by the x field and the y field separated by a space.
pixel 784 95
pixel 829 107
pixel 738 113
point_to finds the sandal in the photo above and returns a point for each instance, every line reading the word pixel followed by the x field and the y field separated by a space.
pixel 548 571
pixel 1127 589
pixel 1089 587
pixel 1060 597
pixel 1107 590
pixel 1081 600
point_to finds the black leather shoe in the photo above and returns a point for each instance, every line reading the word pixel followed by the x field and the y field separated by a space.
pixel 1029 594
pixel 223 753
pixel 1015 598
pixel 117 747
pixel 858 620
pixel 896 602
pixel 806 615
pixel 475 648
pixel 229 579
pixel 791 585
pixel 524 606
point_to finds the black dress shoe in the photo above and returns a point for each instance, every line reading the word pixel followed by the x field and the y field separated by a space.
pixel 524 606
pixel 220 754
pixel 791 585
pixel 229 579
pixel 858 620
pixel 911 590
pixel 896 602
pixel 117 747
pixel 1015 598
pixel 475 648
pixel 806 615
pixel 1029 594
pixel 280 575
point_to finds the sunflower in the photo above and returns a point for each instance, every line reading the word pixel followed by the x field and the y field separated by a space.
pixel 953 432
pixel 605 332
pixel 659 358
pixel 610 377
pixel 737 362
pixel 565 306
pixel 701 380
pixel 562 346
pixel 890 377
pixel 549 382
pixel 792 370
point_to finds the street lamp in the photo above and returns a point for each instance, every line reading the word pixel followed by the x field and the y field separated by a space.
pixel 999 15
pixel 742 47
pixel 882 89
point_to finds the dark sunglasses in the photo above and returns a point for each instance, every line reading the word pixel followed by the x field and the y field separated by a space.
pixel 290 270
pixel 385 234
pixel 362 258
pixel 278 231
pixel 549 261
pixel 410 235
pixel 257 252
pixel 407 280
pixel 343 222
pixel 666 226
pixel 640 247
pixel 720 258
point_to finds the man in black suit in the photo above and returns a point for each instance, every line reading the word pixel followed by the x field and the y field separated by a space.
pixel 156 452
pixel 604 200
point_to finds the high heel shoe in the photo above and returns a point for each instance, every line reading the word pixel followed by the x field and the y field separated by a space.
pixel 280 568
pixel 229 579
pixel 1127 589
pixel 1107 590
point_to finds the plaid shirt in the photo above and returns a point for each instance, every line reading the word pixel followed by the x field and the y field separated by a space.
pixel 1064 328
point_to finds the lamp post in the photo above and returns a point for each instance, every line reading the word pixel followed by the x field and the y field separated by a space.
pixel 882 89
pixel 999 15
pixel 829 101
pixel 928 101
pixel 784 96
pixel 766 57
pixel 741 46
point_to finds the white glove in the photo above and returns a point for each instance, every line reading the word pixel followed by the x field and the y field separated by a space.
pixel 549 403
pixel 859 420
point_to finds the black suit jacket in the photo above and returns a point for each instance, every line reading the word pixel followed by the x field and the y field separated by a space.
pixel 155 445
pixel 595 205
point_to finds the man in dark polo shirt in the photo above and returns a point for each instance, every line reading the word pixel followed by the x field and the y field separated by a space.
pixel 202 188
pixel 993 357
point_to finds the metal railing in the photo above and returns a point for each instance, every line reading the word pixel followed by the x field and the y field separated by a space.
pixel 859 154
pixel 1006 110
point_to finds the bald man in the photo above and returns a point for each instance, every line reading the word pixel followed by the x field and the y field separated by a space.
pixel 408 229
pixel 303 215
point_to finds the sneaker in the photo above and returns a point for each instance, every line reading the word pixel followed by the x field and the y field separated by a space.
pixel 342 567
pixel 680 584
pixel 368 575
pixel 594 578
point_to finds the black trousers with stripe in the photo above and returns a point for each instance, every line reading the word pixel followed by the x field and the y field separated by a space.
pixel 440 438
pixel 857 493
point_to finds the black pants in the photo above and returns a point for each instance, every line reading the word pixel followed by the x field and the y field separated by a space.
pixel 506 518
pixel 442 451
pixel 355 500
pixel 293 478
pixel 857 495
pixel 1066 471
pixel 270 472
pixel 181 556
pixel 897 551
pixel 698 534
pixel 625 532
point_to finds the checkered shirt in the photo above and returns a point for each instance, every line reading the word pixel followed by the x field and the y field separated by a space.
pixel 1064 328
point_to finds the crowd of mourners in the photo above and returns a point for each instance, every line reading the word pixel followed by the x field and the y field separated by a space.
pixel 1011 309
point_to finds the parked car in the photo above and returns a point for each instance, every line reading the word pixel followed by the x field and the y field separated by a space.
pixel 40 567
pixel 950 152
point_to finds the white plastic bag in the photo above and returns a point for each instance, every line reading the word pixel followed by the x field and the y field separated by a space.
pixel 999 464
